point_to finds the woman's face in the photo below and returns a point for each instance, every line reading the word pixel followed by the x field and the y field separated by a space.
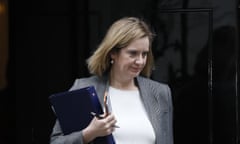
pixel 130 60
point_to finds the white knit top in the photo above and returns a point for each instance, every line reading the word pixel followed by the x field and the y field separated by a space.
pixel 135 127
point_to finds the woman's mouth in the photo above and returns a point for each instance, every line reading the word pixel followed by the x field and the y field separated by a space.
pixel 136 69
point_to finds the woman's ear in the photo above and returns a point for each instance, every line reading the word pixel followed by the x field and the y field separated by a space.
pixel 113 55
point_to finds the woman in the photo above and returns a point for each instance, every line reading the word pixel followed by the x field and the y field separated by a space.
pixel 141 107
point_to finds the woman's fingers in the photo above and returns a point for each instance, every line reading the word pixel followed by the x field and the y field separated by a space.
pixel 110 120
pixel 103 126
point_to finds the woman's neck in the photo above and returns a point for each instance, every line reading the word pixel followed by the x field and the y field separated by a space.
pixel 121 83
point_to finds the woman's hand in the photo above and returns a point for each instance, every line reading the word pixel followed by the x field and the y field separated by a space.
pixel 99 127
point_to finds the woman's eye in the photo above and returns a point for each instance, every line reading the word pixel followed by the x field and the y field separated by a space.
pixel 144 54
pixel 132 53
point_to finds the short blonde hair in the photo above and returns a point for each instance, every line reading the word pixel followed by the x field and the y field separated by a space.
pixel 119 35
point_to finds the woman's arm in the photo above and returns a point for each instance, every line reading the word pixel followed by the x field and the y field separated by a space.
pixel 96 128
pixel 57 136
pixel 170 104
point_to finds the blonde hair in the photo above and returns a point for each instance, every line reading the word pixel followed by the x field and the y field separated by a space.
pixel 119 35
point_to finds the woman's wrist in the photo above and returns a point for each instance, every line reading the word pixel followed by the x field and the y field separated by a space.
pixel 87 135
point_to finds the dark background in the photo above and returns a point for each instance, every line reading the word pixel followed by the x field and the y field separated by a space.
pixel 196 53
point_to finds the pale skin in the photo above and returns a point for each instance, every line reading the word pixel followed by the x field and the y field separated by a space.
pixel 128 63
pixel 99 127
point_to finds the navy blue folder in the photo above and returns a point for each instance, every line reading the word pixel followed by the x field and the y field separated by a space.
pixel 73 110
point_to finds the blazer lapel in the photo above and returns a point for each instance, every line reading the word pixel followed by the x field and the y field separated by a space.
pixel 100 88
pixel 151 106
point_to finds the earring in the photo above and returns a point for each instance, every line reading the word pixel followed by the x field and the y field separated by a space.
pixel 112 61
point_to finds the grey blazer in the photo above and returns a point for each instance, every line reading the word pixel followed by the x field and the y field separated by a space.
pixel 156 99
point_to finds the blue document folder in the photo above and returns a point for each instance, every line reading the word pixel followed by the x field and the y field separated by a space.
pixel 73 110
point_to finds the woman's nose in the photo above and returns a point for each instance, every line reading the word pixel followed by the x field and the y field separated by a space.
pixel 139 60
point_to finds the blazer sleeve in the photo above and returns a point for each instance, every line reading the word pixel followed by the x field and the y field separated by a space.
pixel 57 136
pixel 170 127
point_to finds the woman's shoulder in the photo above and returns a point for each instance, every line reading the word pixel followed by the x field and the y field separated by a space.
pixel 87 81
pixel 161 91
pixel 154 87
pixel 150 82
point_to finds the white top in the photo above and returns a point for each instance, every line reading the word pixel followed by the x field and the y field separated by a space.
pixel 131 116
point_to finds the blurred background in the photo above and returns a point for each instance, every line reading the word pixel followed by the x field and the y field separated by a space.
pixel 44 45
